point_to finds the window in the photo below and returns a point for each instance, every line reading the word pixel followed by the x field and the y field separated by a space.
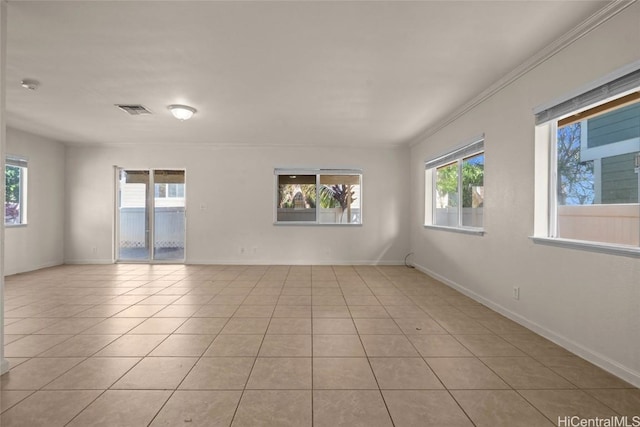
pixel 15 201
pixel 594 167
pixel 455 188
pixel 318 196
pixel 164 190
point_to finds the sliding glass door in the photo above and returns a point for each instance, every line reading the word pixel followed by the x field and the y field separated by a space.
pixel 168 214
pixel 151 215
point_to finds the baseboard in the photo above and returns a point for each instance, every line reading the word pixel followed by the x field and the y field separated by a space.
pixel 253 262
pixel 289 262
pixel 4 366
pixel 87 261
pixel 10 272
pixel 604 362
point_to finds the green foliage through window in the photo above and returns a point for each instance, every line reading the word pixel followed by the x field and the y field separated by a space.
pixel 324 198
pixel 472 176
pixel 459 189
pixel 14 178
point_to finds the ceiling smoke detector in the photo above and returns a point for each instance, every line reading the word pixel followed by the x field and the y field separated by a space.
pixel 30 84
pixel 134 109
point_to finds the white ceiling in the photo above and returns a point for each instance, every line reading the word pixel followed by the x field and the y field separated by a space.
pixel 320 73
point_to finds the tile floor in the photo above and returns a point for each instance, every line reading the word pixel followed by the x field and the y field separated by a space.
pixel 174 345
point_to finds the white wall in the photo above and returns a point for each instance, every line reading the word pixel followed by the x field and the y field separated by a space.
pixel 586 301
pixel 4 365
pixel 237 190
pixel 40 243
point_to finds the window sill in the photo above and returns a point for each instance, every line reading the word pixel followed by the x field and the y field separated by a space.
pixel 473 231
pixel 604 248
pixel 15 225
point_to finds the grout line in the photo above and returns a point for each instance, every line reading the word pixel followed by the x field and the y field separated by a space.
pixel 312 358
pixel 369 362
pixel 105 279
pixel 434 372
pixel 235 412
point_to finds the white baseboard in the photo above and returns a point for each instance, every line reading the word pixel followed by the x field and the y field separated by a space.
pixel 87 261
pixel 245 261
pixel 604 362
pixel 26 269
pixel 289 262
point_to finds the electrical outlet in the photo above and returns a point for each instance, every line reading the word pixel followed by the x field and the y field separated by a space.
pixel 94 250
pixel 516 293
pixel 242 250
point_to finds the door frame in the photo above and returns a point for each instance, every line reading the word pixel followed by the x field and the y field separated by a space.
pixel 150 213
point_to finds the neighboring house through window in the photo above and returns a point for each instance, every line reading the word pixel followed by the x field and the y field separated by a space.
pixel 594 167
pixel 169 190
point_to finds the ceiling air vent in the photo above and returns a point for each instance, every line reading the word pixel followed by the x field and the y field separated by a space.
pixel 134 109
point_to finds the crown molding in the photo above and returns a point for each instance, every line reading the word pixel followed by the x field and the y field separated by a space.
pixel 584 28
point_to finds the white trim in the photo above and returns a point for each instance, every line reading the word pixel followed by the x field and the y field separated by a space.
pixel 630 251
pixel 89 261
pixel 590 24
pixel 429 196
pixel 316 171
pixel 468 230
pixel 115 221
pixel 4 366
pixel 461 190
pixel 542 181
pixel 33 268
pixel 552 190
pixel 604 362
pixel 597 181
pixel 314 261
pixel 22 225
pixel 321 224
pixel 584 136
pixel 235 146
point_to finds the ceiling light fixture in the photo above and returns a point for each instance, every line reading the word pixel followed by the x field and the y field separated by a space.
pixel 182 112
pixel 30 84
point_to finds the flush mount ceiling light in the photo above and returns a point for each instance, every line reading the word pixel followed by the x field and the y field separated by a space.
pixel 30 84
pixel 182 112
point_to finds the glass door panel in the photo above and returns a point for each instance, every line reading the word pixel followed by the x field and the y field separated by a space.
pixel 168 214
pixel 151 215
pixel 133 216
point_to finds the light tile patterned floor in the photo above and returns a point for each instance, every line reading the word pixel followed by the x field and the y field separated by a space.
pixel 173 345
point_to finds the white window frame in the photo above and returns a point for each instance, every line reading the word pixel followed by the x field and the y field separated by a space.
pixel 21 163
pixel 613 86
pixel 318 173
pixel 469 149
